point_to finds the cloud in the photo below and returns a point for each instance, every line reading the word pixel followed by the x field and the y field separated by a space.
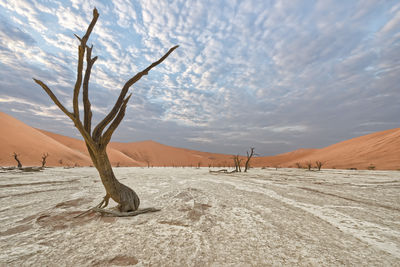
pixel 286 129
pixel 11 34
pixel 270 74
pixel 199 140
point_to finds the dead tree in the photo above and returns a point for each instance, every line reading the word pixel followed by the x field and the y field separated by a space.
pixel 319 164
pixel 249 156
pixel 15 155
pixel 237 161
pixel 146 159
pixel 44 157
pixel 143 156
pixel 98 139
pixel 309 165
pixel 235 164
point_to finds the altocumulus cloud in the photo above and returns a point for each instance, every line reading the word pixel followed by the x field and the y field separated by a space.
pixel 276 75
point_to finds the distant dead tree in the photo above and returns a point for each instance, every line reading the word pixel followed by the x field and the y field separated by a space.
pixel 15 155
pixel 249 156
pixel 237 161
pixel 298 165
pixel 60 161
pixel 44 157
pixel 146 159
pixel 198 165
pixel 309 165
pixel 319 164
pixel 97 140
pixel 371 167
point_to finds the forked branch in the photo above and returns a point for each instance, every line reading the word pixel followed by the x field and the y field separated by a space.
pixel 98 130
pixel 113 126
pixel 82 48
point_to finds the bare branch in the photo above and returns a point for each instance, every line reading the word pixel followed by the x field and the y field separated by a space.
pixel 78 82
pixel 87 121
pixel 90 27
pixel 82 48
pixel 79 38
pixel 54 98
pixel 100 127
pixel 107 135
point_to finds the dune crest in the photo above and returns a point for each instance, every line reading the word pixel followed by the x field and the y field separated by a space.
pixel 377 150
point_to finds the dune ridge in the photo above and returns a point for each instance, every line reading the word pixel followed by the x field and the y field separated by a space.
pixel 377 150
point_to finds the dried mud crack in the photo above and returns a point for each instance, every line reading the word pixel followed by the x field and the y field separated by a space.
pixel 262 218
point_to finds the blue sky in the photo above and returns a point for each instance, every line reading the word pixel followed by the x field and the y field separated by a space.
pixel 275 75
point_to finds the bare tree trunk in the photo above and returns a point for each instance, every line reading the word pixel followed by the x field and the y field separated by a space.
pixel 309 165
pixel 127 198
pixel 319 164
pixel 249 156
pixel 237 162
pixel 44 157
pixel 17 159
pixel 98 139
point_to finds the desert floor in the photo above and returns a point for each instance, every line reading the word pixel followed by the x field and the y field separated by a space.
pixel 264 217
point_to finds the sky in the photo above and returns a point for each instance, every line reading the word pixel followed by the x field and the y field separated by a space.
pixel 274 75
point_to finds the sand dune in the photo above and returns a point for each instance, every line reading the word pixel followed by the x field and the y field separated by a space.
pixel 281 159
pixel 156 154
pixel 116 157
pixel 378 149
pixel 31 143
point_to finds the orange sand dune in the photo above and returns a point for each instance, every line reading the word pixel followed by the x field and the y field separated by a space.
pixel 116 157
pixel 281 159
pixel 30 144
pixel 156 154
pixel 378 149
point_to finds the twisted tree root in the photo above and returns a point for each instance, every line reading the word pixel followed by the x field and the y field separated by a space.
pixel 102 204
pixel 113 213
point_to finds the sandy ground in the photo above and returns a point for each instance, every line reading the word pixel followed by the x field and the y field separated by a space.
pixel 262 218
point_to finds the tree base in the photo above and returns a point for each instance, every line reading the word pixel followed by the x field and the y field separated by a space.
pixel 113 213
